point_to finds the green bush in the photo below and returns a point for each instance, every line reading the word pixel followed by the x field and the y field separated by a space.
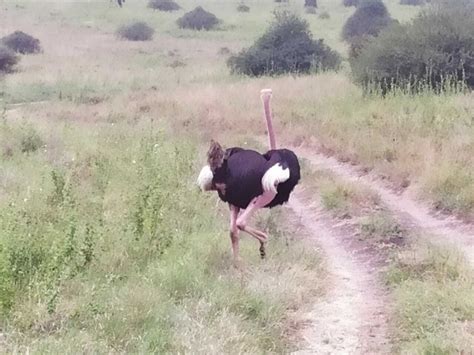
pixel 21 42
pixel 163 5
pixel 138 31
pixel 435 50
pixel 286 47
pixel 8 59
pixel 348 3
pixel 243 8
pixel 198 19
pixel 370 17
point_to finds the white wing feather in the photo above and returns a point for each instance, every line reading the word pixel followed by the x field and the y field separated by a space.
pixel 274 176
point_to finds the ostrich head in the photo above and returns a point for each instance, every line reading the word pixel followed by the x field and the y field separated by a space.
pixel 215 156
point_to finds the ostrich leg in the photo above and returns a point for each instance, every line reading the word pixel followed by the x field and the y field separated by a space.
pixel 234 233
pixel 257 203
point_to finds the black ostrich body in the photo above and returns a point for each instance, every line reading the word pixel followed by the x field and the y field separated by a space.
pixel 239 178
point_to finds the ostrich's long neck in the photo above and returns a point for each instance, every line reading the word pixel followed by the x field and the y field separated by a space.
pixel 268 117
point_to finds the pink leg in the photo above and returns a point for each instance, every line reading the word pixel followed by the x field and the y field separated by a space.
pixel 257 203
pixel 234 233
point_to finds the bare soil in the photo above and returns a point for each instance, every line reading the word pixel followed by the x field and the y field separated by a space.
pixel 352 318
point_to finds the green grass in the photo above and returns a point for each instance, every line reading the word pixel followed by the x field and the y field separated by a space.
pixel 434 307
pixel 107 245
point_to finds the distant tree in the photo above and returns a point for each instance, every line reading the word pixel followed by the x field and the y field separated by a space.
pixel 436 49
pixel 198 19
pixel 22 42
pixel 286 47
pixel 370 17
pixel 137 31
pixel 163 5
pixel 311 3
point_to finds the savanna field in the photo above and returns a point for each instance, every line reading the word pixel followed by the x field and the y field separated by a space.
pixel 108 246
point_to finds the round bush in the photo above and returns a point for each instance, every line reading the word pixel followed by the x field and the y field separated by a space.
pixel 348 3
pixel 435 50
pixel 138 31
pixel 370 17
pixel 311 3
pixel 198 19
pixel 163 5
pixel 243 8
pixel 286 47
pixel 8 59
pixel 21 42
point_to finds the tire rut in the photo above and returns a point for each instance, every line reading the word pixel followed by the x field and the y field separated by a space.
pixel 352 317
pixel 439 230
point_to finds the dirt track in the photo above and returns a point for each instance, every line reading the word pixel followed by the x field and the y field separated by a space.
pixel 353 317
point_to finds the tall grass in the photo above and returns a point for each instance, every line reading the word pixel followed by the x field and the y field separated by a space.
pixel 107 245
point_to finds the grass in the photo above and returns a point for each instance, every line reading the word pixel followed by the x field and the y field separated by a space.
pixel 96 254
pixel 105 244
pixel 434 307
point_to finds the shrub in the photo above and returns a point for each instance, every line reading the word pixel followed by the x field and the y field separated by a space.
pixel 21 42
pixel 434 50
pixel 163 5
pixel 287 46
pixel 243 8
pixel 30 140
pixel 370 17
pixel 412 2
pixel 348 3
pixel 198 19
pixel 8 59
pixel 324 15
pixel 310 3
pixel 138 31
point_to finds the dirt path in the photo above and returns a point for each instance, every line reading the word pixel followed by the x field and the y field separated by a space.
pixel 445 231
pixel 352 317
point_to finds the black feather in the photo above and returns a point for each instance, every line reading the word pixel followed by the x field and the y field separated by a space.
pixel 240 176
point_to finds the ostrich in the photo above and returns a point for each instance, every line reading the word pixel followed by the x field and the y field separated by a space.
pixel 248 180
